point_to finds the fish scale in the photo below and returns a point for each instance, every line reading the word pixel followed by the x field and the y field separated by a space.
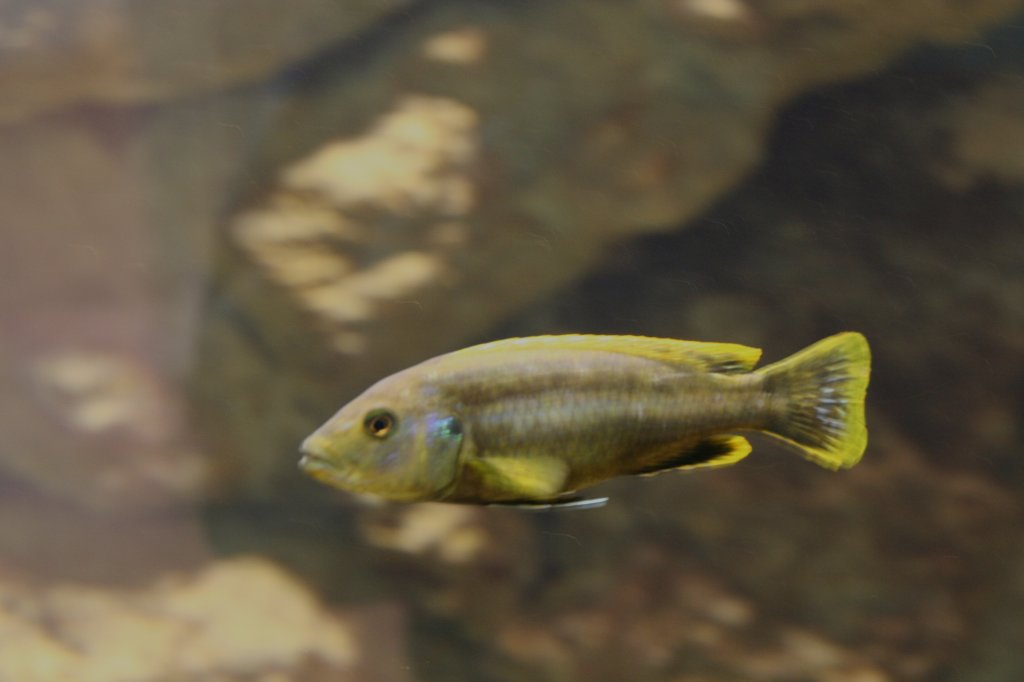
pixel 636 392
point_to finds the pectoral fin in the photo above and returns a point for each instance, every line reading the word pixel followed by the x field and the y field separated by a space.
pixel 712 453
pixel 522 478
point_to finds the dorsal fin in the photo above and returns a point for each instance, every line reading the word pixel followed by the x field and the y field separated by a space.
pixel 721 358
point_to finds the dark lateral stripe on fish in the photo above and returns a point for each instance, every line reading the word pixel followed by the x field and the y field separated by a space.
pixel 554 412
pixel 621 393
pixel 534 420
pixel 475 389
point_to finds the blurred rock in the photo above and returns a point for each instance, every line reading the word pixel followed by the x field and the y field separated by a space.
pixel 665 620
pixel 107 222
pixel 447 530
pixel 450 560
pixel 240 619
pixel 991 654
pixel 90 409
pixel 479 160
pixel 57 53
pixel 53 539
pixel 987 135
pixel 116 158
pixel 417 159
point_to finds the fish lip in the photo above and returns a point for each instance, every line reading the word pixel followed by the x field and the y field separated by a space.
pixel 310 461
pixel 313 451
pixel 324 470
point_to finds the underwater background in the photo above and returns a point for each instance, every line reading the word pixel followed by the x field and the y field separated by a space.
pixel 223 219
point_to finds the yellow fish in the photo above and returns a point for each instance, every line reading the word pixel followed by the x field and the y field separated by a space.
pixel 530 421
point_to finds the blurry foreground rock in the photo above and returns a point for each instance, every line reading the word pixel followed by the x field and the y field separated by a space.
pixel 99 427
pixel 57 54
pixel 482 156
pixel 453 561
pixel 103 249
pixel 122 137
pixel 242 619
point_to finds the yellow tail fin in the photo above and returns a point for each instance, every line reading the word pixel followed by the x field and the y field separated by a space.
pixel 824 386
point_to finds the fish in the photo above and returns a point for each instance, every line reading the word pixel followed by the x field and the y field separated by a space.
pixel 531 421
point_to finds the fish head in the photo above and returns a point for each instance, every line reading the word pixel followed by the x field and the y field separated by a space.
pixel 395 441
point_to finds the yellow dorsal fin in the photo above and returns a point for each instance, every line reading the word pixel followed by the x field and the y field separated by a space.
pixel 723 358
pixel 526 478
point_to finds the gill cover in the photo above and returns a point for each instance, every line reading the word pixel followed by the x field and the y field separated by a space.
pixel 440 440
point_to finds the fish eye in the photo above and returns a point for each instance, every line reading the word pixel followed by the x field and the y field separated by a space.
pixel 379 423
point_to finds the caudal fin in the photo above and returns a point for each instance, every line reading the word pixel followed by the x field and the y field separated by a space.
pixel 823 387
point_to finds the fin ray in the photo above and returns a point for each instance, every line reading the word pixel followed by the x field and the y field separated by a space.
pixel 825 385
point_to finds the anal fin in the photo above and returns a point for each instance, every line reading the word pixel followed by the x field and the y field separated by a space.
pixel 708 453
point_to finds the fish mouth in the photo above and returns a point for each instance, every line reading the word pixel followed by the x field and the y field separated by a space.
pixel 310 462
pixel 326 472
pixel 316 464
pixel 314 452
pixel 314 458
